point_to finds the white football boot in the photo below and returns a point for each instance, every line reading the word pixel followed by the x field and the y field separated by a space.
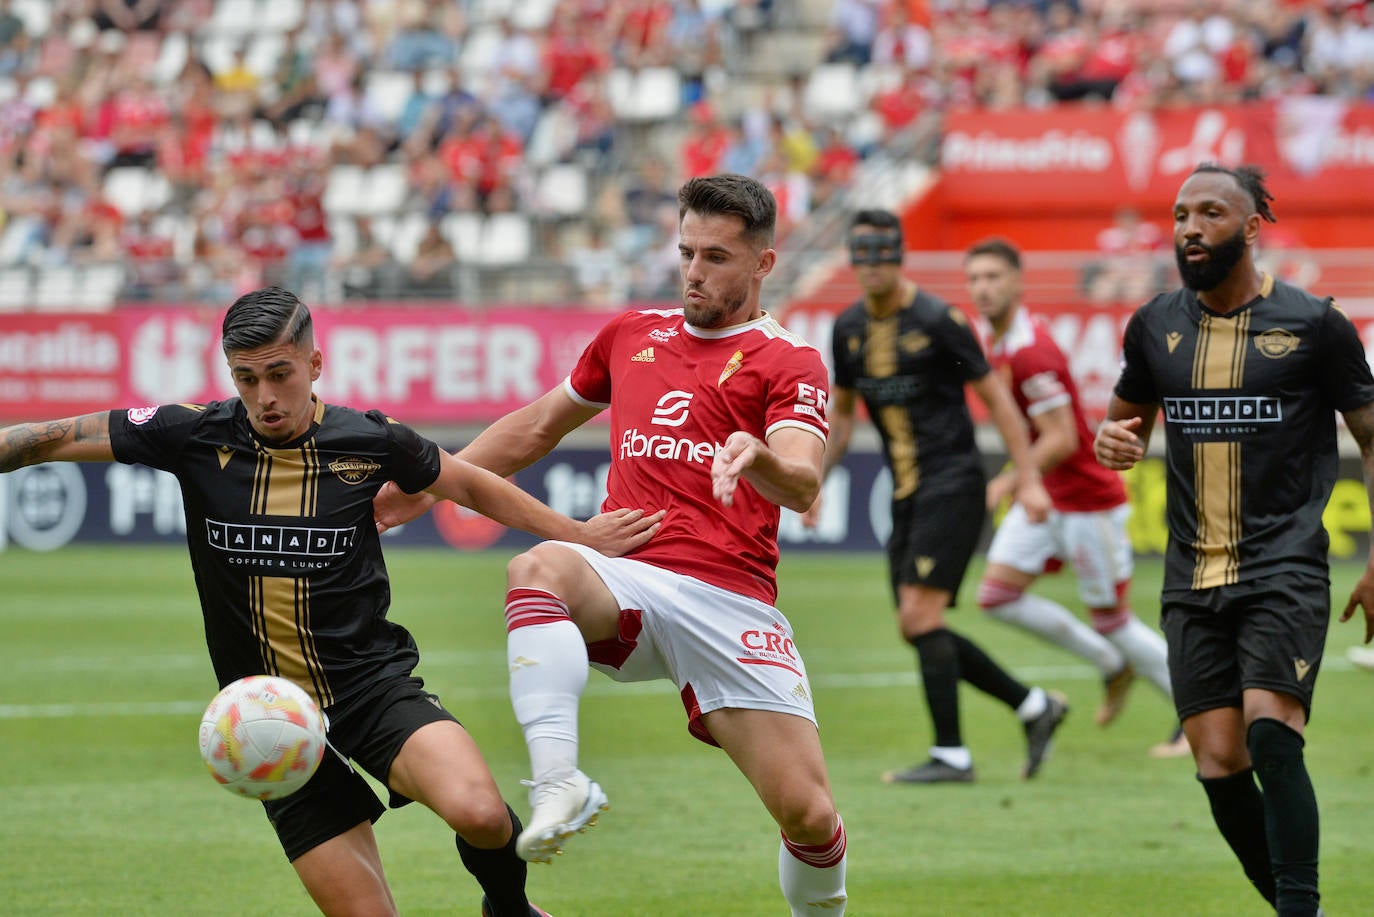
pixel 559 808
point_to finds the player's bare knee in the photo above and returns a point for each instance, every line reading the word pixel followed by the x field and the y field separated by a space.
pixel 537 568
pixel 993 594
pixel 482 822
pixel 809 821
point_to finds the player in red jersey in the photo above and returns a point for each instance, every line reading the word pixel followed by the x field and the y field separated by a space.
pixel 1087 527
pixel 718 419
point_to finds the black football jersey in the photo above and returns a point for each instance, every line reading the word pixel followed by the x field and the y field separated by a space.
pixel 287 561
pixel 1249 402
pixel 910 369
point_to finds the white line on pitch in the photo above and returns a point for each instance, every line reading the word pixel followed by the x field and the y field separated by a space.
pixel 597 687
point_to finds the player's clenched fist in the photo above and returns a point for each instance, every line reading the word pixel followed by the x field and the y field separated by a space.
pixel 1116 446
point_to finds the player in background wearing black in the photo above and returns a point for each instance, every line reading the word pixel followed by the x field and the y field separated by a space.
pixel 278 490
pixel 1249 372
pixel 909 356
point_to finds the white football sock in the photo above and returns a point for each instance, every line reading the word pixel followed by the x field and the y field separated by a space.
pixel 955 756
pixel 812 876
pixel 1146 651
pixel 1034 705
pixel 548 670
pixel 1051 621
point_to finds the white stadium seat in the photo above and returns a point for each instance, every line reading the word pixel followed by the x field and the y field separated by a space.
pixel 463 230
pixel 344 190
pixel 388 90
pixel 650 94
pixel 562 190
pixel 506 240
pixel 832 92
pixel 16 289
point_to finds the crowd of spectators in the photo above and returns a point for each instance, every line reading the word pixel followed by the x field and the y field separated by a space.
pixel 998 54
pixel 241 124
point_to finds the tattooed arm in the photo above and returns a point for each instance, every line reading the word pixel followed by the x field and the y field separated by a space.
pixel 72 439
pixel 1360 421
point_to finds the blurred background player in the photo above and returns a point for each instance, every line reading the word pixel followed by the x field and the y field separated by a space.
pixel 1087 526
pixel 909 356
pixel 1250 372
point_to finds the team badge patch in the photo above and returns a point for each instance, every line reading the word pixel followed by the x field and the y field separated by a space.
pixel 353 470
pixel 731 368
pixel 1276 342
pixel 141 416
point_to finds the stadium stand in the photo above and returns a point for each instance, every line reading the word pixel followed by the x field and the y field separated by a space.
pixel 521 128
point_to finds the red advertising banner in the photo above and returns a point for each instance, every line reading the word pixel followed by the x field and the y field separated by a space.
pixel 421 365
pixel 1318 151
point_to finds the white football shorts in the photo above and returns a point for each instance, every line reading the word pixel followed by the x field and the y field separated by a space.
pixel 720 648
pixel 1094 545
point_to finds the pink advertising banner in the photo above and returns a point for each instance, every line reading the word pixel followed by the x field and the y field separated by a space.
pixel 420 365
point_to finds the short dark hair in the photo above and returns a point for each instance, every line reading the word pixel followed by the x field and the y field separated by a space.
pixel 1251 181
pixel 729 194
pixel 263 317
pixel 877 218
pixel 997 247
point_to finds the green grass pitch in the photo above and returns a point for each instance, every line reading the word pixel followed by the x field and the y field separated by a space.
pixel 105 807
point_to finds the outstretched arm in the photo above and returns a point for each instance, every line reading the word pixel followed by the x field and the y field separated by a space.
pixel 73 439
pixel 496 498
pixel 527 434
pixel 516 441
pixel 1360 421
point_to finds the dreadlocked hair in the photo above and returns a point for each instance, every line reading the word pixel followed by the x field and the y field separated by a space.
pixel 1251 181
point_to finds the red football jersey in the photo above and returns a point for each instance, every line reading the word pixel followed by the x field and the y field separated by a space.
pixel 676 393
pixel 1038 374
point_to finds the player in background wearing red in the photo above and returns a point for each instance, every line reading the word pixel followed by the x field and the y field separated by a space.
pixel 718 417
pixel 1087 526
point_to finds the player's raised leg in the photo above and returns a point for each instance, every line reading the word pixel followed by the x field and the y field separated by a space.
pixel 555 604
pixel 780 754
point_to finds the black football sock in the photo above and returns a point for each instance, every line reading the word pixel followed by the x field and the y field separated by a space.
pixel 978 669
pixel 500 872
pixel 939 660
pixel 1290 814
pixel 1238 810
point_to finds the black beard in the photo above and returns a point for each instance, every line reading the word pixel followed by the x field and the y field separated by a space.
pixel 1222 258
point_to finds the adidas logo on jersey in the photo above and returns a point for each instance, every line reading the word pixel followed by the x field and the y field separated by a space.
pixel 644 356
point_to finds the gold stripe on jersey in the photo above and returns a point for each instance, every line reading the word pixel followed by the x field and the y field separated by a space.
pixel 283 612
pixel 1218 363
pixel 1219 360
pixel 881 362
pixel 324 696
pixel 256 608
pixel 288 481
pixel 261 474
pixel 1216 475
pixel 901 443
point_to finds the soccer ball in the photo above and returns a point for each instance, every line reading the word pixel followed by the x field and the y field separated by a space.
pixel 262 737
